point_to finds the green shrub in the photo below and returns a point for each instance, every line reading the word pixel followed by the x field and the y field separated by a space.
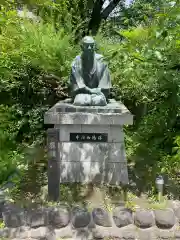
pixel 145 71
pixel 34 68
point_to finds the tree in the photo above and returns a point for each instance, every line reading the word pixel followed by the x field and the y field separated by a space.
pixel 99 14
pixel 148 74
pixel 85 16
pixel 143 10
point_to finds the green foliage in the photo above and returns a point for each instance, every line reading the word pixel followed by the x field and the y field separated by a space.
pixel 34 67
pixel 72 15
pixel 2 225
pixel 145 70
pixel 10 155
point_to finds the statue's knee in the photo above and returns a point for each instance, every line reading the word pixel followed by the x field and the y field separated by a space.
pixel 98 100
pixel 82 99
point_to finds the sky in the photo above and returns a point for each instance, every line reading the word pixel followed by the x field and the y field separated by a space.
pixel 127 2
pixel 115 11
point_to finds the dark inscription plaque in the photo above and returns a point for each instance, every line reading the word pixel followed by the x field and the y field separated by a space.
pixel 88 137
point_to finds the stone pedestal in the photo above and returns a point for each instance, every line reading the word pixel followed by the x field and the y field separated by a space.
pixel 86 144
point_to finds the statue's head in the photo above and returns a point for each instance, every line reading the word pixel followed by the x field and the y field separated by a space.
pixel 88 45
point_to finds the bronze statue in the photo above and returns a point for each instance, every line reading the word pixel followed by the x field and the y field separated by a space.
pixel 90 79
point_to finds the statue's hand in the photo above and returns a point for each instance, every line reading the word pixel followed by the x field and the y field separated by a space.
pixel 96 91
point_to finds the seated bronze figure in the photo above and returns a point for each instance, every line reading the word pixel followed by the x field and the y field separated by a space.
pixel 90 79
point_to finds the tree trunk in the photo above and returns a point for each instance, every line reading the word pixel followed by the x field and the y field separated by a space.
pixel 98 15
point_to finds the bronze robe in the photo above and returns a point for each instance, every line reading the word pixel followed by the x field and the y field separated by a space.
pixel 98 78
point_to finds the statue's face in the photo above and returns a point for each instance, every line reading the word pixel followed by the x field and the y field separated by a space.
pixel 88 48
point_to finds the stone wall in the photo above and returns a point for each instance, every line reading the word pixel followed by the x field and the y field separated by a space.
pixel 63 222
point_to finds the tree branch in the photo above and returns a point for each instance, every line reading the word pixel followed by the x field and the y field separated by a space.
pixel 98 14
pixel 112 5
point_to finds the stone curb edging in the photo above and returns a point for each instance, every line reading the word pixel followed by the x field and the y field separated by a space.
pixel 61 221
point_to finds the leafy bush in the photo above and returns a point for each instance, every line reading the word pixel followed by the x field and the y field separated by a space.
pixel 145 70
pixel 34 67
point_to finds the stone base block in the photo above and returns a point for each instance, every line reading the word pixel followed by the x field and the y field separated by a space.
pixel 93 162
pixel 115 113
pixel 87 144
pixel 92 152
pixel 114 132
pixel 95 172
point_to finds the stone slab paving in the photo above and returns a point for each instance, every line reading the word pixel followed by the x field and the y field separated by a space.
pixel 63 222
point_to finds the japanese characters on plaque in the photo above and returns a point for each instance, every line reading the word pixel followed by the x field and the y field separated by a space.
pixel 88 137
